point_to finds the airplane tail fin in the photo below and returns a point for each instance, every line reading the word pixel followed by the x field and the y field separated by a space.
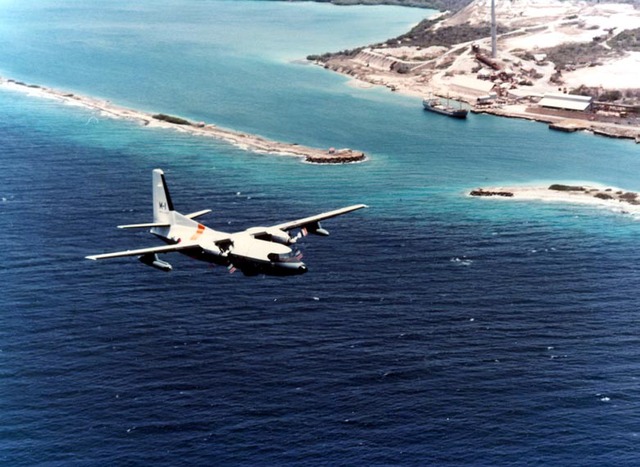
pixel 162 204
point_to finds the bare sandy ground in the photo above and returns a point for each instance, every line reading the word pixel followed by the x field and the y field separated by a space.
pixel 541 24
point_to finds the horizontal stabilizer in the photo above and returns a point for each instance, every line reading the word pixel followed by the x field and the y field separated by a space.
pixel 144 226
pixel 193 215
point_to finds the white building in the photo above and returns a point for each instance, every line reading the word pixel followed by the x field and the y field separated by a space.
pixel 469 85
pixel 566 102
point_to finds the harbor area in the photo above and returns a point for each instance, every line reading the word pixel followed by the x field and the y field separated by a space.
pixel 569 64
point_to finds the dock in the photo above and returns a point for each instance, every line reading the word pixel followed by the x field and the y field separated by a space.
pixel 570 125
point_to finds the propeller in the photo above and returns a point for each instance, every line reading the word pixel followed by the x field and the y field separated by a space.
pixel 301 234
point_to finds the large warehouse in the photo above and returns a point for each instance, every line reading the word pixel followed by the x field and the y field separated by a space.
pixel 566 102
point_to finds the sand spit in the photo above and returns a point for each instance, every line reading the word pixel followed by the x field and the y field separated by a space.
pixel 609 197
pixel 242 140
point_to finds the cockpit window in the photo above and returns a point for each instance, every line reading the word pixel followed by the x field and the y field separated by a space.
pixel 291 257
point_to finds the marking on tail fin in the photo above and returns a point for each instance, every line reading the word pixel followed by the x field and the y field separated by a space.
pixel 162 204
pixel 169 204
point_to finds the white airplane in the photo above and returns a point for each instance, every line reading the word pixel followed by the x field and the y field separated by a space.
pixel 257 250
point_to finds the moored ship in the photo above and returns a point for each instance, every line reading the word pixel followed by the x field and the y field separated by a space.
pixel 435 105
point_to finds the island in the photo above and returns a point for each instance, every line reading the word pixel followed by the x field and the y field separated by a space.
pixel 239 139
pixel 571 64
pixel 610 197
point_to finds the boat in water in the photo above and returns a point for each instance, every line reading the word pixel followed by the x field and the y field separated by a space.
pixel 435 105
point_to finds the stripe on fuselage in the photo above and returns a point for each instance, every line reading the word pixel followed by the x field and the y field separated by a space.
pixel 199 231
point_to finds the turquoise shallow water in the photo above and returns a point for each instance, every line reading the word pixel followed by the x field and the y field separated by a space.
pixel 432 328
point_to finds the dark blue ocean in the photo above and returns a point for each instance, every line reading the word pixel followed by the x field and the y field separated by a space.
pixel 431 329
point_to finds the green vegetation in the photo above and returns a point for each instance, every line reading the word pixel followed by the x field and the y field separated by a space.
pixel 558 187
pixel 610 95
pixel 606 95
pixel 424 35
pixel 628 40
pixel 577 53
pixel 442 5
pixel 411 3
pixel 629 196
pixel 172 119
pixel 581 53
pixel 326 56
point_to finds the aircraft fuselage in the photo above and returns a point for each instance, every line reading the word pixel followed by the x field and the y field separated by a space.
pixel 257 250
pixel 240 251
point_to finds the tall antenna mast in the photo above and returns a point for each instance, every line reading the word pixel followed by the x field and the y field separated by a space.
pixel 494 47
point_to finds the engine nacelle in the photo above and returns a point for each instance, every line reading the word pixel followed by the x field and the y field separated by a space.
pixel 151 259
pixel 273 235
pixel 280 236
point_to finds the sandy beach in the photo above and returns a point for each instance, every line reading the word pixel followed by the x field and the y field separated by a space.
pixel 593 194
pixel 241 140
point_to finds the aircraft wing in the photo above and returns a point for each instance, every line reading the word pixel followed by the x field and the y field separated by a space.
pixel 313 220
pixel 143 251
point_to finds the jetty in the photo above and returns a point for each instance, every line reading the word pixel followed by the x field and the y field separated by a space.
pixel 569 125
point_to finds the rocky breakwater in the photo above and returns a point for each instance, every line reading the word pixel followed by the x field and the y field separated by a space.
pixel 341 156
pixel 483 192
pixel 262 145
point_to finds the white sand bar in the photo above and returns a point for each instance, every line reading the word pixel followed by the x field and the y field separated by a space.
pixel 612 198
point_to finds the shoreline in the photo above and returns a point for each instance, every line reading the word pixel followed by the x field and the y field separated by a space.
pixel 245 141
pixel 615 199
pixel 559 120
pixel 564 123
pixel 544 47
